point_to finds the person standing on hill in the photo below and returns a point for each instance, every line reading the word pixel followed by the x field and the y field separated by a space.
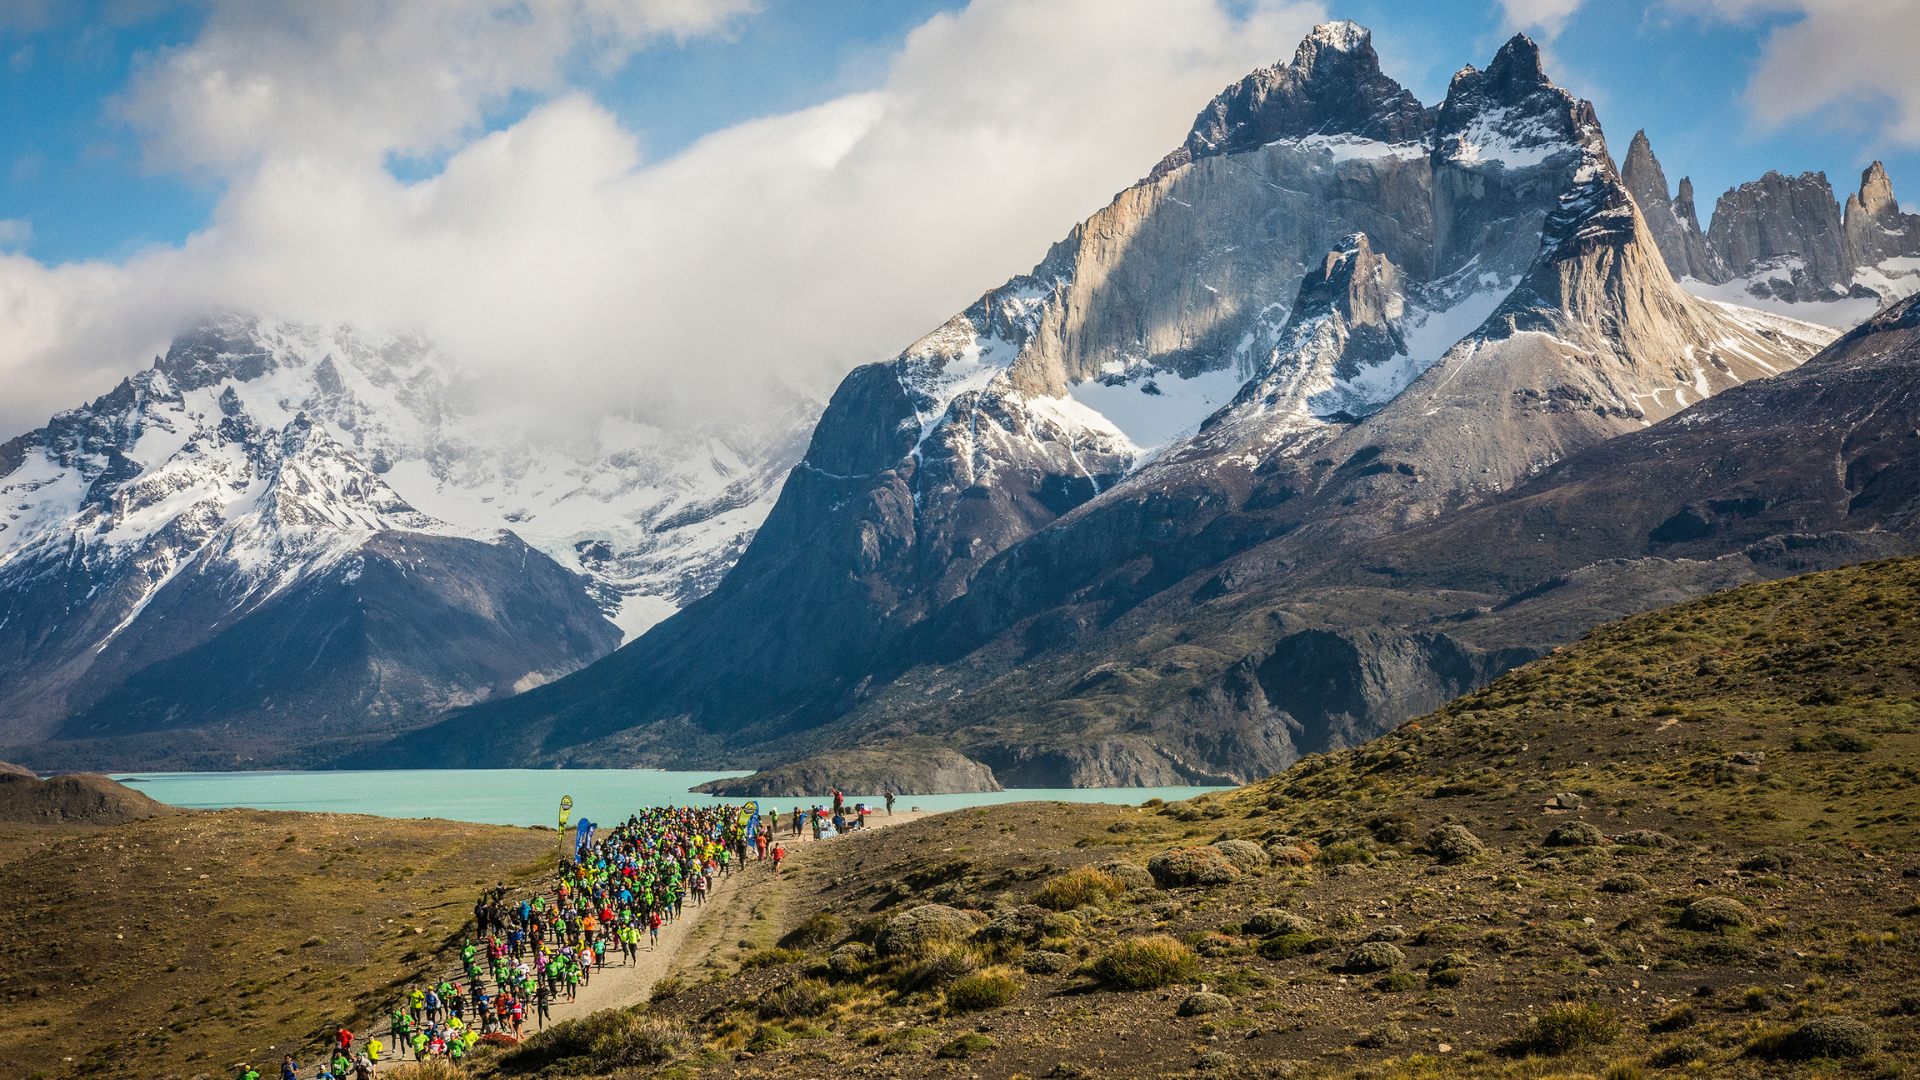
pixel 889 801
pixel 779 852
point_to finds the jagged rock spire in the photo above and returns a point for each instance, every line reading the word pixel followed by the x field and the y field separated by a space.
pixel 1673 224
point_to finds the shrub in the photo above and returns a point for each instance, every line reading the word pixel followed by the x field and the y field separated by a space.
pixel 1146 963
pixel 819 929
pixel 1396 982
pixel 1132 875
pixel 965 1046
pixel 1287 946
pixel 1192 866
pixel 1679 1053
pixel 1204 1002
pixel 1452 843
pixel 801 997
pixel 1626 1070
pixel 917 931
pixel 1046 963
pixel 1292 854
pixel 1564 1029
pixel 1384 1035
pixel 1713 912
pixel 1345 853
pixel 1375 956
pixel 1680 1016
pixel 1245 855
pixel 982 990
pixel 666 988
pixel 1447 978
pixel 1440 933
pixel 1576 834
pixel 1821 1037
pixel 1646 838
pixel 641 1040
pixel 1079 888
pixel 1624 883
pixel 760 958
pixel 1275 921
pixel 850 959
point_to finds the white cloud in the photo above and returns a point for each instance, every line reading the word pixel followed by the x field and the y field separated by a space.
pixel 369 77
pixel 1545 17
pixel 1834 54
pixel 572 272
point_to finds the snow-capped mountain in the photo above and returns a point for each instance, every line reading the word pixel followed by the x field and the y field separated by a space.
pixel 258 461
pixel 1331 314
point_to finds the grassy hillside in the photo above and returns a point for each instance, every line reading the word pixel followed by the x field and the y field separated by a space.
pixel 1682 846
pixel 181 944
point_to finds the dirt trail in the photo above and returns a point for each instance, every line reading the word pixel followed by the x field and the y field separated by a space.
pixel 622 984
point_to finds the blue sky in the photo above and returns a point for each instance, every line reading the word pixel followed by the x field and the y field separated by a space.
pixel 74 167
pixel 678 199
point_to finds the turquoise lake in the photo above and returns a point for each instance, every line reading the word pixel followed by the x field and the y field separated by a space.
pixel 532 796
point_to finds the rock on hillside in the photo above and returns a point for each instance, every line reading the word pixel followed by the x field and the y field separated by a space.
pixel 73 799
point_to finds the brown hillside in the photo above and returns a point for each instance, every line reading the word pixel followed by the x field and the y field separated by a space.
pixel 73 799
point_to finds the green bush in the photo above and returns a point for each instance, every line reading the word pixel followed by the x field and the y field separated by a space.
pixel 640 1040
pixel 801 997
pixel 1680 1053
pixel 1564 1029
pixel 760 958
pixel 1146 963
pixel 1079 888
pixel 819 929
pixel 965 1046
pixel 982 990
pixel 1287 946
pixel 1680 1016
pixel 666 988
pixel 1399 980
pixel 1447 978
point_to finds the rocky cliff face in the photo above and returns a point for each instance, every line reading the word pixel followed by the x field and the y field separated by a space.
pixel 1298 334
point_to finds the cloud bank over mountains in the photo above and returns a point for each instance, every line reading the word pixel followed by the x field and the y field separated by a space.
pixel 572 273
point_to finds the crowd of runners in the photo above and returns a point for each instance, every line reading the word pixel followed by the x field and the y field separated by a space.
pixel 528 953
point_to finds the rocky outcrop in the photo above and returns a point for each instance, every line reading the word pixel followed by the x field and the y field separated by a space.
pixel 863 774
pixel 1785 234
pixel 1671 221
